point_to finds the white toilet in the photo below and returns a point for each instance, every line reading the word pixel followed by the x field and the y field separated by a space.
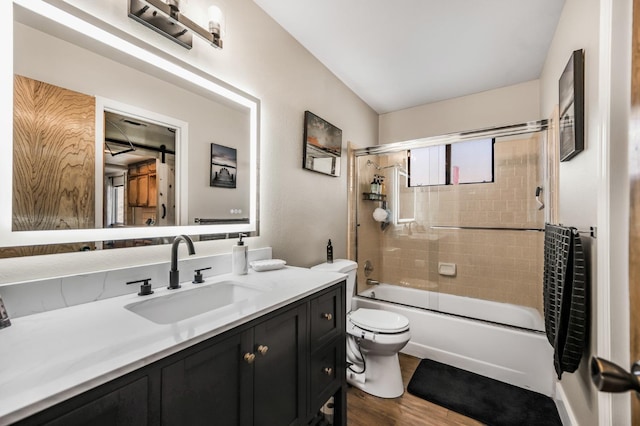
pixel 374 338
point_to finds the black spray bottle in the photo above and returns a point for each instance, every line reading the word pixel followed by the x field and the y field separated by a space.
pixel 329 252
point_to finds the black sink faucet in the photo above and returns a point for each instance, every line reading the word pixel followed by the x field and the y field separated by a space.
pixel 174 274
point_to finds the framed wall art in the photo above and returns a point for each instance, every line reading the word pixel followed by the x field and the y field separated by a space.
pixel 571 102
pixel 224 166
pixel 322 145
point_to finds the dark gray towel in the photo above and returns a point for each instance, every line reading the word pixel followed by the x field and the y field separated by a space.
pixel 566 296
pixel 557 241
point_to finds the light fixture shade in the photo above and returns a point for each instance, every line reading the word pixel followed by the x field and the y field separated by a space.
pixel 216 20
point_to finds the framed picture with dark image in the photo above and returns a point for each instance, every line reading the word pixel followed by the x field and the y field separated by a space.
pixel 322 145
pixel 224 166
pixel 571 102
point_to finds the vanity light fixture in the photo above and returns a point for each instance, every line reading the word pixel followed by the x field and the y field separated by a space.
pixel 165 18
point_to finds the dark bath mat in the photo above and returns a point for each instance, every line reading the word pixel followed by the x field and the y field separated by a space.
pixel 487 400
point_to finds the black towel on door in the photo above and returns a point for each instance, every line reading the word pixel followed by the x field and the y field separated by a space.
pixel 557 241
pixel 566 296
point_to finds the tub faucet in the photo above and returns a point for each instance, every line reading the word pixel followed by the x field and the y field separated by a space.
pixel 174 274
pixel 372 282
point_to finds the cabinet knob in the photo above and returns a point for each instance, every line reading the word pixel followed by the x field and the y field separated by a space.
pixel 328 371
pixel 327 316
pixel 249 357
pixel 263 349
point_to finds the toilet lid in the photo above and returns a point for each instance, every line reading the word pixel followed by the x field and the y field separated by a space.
pixel 379 321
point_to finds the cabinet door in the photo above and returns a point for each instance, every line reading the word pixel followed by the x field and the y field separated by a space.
pixel 143 190
pixel 209 387
pixel 325 371
pixel 327 317
pixel 133 191
pixel 279 373
pixel 127 405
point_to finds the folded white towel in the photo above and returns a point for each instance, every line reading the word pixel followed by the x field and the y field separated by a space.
pixel 267 265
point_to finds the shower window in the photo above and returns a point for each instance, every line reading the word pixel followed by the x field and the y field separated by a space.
pixel 452 164
pixel 428 166
pixel 472 161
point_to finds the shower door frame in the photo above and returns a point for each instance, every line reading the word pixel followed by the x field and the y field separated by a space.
pixel 488 132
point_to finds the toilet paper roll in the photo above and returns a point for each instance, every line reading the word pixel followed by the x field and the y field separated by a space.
pixel 380 215
pixel 327 410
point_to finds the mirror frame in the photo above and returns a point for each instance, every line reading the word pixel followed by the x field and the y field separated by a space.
pixel 119 45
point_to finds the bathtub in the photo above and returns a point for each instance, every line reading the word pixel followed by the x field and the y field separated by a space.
pixel 520 357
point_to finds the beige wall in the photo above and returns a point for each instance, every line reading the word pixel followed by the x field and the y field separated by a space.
pixel 578 178
pixel 594 186
pixel 508 105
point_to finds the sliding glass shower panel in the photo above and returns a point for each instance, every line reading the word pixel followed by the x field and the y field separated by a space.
pixel 471 249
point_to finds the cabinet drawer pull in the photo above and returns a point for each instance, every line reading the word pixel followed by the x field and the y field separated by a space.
pixel 249 357
pixel 327 316
pixel 328 371
pixel 263 349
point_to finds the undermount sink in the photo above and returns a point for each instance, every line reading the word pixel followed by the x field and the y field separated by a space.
pixel 186 304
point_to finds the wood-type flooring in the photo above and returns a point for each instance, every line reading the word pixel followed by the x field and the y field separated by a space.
pixel 408 410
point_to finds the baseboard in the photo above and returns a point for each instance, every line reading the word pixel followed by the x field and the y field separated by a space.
pixel 564 408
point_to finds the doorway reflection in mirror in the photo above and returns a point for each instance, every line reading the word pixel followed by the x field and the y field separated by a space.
pixel 139 172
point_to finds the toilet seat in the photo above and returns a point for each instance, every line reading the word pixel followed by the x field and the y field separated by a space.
pixel 379 321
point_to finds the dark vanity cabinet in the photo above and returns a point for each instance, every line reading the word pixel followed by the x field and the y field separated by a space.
pixel 278 369
pixel 253 377
pixel 209 384
pixel 124 404
pixel 279 382
pixel 327 368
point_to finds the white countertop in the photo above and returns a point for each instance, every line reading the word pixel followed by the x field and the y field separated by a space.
pixel 50 357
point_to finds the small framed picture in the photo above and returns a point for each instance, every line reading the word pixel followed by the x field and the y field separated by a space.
pixel 571 90
pixel 224 166
pixel 322 145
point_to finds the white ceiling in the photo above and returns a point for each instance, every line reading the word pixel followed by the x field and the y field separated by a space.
pixel 404 53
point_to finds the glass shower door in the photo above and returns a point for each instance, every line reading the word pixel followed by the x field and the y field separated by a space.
pixel 469 249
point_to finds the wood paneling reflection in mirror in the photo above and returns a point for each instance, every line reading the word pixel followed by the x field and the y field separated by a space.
pixel 53 161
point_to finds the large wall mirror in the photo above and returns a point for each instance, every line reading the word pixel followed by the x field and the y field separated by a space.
pixel 113 141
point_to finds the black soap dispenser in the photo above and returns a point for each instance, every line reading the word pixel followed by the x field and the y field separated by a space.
pixel 329 252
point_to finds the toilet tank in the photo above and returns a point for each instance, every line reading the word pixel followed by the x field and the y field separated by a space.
pixel 343 266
